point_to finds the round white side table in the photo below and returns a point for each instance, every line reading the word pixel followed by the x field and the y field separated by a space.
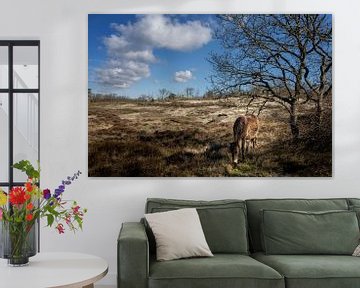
pixel 50 270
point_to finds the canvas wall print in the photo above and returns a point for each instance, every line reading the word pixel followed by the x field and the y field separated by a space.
pixel 200 95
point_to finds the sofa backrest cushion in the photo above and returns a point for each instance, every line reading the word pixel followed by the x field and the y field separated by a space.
pixel 223 221
pixel 256 205
pixel 356 209
pixel 353 202
pixel 298 232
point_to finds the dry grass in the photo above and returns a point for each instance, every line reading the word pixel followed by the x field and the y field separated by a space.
pixel 190 138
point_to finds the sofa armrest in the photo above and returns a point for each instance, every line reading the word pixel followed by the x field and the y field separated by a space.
pixel 133 256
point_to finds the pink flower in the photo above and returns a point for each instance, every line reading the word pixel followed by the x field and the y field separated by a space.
pixel 60 228
pixel 68 219
pixel 76 210
pixel 1 213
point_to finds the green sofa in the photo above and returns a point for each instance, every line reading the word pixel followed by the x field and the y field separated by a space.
pixel 233 230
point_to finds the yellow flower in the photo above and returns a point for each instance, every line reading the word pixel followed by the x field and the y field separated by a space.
pixel 3 198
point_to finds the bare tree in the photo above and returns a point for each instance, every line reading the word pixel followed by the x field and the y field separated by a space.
pixel 189 92
pixel 163 93
pixel 318 85
pixel 288 56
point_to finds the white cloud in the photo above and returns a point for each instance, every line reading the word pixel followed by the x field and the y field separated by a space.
pixel 130 49
pixel 122 73
pixel 141 56
pixel 161 31
pixel 183 76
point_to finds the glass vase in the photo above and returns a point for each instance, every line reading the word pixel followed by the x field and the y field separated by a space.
pixel 18 242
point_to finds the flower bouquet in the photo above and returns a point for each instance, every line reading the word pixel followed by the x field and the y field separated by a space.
pixel 21 208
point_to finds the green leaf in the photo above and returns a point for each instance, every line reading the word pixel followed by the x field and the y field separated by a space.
pixel 26 167
pixel 53 211
pixel 50 219
pixel 79 221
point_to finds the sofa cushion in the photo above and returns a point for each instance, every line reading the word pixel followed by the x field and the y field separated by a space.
pixel 255 206
pixel 223 221
pixel 222 270
pixel 313 271
pixel 178 234
pixel 297 232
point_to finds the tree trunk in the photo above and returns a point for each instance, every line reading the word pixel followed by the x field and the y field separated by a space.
pixel 319 111
pixel 294 121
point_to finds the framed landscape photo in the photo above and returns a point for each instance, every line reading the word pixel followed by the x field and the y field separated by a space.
pixel 210 95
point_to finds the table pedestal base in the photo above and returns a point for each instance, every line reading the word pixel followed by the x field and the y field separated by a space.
pixel 89 286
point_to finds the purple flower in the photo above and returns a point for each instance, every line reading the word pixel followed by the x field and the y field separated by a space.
pixel 58 192
pixel 64 183
pixel 46 194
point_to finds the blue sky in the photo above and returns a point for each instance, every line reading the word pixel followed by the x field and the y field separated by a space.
pixel 131 55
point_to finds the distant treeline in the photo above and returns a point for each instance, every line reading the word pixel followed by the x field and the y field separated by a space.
pixel 165 95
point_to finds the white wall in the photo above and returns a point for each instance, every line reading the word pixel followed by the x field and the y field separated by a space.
pixel 62 28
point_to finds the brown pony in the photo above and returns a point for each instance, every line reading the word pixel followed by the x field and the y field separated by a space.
pixel 245 132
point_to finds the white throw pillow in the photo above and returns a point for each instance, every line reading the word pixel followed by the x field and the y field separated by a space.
pixel 178 234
